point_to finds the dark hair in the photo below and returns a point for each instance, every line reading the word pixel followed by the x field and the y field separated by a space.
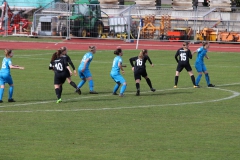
pixel 118 51
pixel 204 43
pixel 91 48
pixel 186 43
pixel 56 55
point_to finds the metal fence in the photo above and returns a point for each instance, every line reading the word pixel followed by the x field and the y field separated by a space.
pixel 69 20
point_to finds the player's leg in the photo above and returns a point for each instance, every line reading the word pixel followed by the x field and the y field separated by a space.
pixel 2 85
pixel 116 87
pixel 190 72
pixel 178 70
pixel 207 76
pixel 138 86
pixel 58 92
pixel 1 92
pixel 124 85
pixel 137 77
pixel 10 90
pixel 199 70
pixel 83 80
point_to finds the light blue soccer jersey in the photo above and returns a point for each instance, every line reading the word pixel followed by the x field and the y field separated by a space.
pixel 201 54
pixel 115 68
pixel 5 65
pixel 89 56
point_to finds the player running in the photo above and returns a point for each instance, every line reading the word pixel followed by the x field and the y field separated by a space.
pixel 61 69
pixel 65 55
pixel 199 64
pixel 182 57
pixel 5 75
pixel 140 69
pixel 115 72
pixel 84 72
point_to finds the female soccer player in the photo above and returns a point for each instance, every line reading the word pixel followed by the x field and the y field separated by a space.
pixel 140 69
pixel 61 70
pixel 115 72
pixel 182 57
pixel 68 59
pixel 5 76
pixel 84 72
pixel 65 55
pixel 199 64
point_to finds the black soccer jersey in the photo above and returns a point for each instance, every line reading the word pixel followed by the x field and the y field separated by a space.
pixel 139 63
pixel 183 56
pixel 60 65
pixel 69 61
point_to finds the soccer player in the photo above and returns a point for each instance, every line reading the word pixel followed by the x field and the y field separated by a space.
pixel 140 69
pixel 182 57
pixel 5 76
pixel 61 70
pixel 84 72
pixel 65 55
pixel 115 72
pixel 199 64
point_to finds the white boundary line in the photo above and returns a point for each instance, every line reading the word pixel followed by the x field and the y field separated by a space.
pixel 234 94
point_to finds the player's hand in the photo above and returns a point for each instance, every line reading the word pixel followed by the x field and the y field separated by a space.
pixel 152 65
pixel 75 72
pixel 132 68
pixel 123 72
pixel 124 65
pixel 21 67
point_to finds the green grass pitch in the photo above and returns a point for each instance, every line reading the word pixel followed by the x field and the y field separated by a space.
pixel 183 123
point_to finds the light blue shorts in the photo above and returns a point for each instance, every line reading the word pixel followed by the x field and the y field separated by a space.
pixel 5 78
pixel 200 67
pixel 118 78
pixel 84 74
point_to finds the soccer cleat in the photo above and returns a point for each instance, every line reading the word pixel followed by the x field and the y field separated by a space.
pixel 196 86
pixel 1 101
pixel 138 93
pixel 93 92
pixel 114 93
pixel 175 86
pixel 59 100
pixel 121 95
pixel 78 91
pixel 11 100
pixel 211 85
pixel 153 90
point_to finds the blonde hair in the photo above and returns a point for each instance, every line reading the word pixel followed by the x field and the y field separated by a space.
pixel 7 52
pixel 142 53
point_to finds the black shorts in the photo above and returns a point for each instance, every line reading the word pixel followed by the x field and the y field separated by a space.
pixel 180 67
pixel 140 73
pixel 60 77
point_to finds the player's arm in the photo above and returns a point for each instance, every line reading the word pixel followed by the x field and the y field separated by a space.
pixel 120 66
pixel 149 60
pixel 72 65
pixel 206 56
pixel 85 64
pixel 176 55
pixel 131 60
pixel 67 66
pixel 189 54
pixel 15 66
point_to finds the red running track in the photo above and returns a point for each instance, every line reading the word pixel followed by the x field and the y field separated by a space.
pixel 107 44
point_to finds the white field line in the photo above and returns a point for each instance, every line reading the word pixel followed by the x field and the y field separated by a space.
pixel 234 94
